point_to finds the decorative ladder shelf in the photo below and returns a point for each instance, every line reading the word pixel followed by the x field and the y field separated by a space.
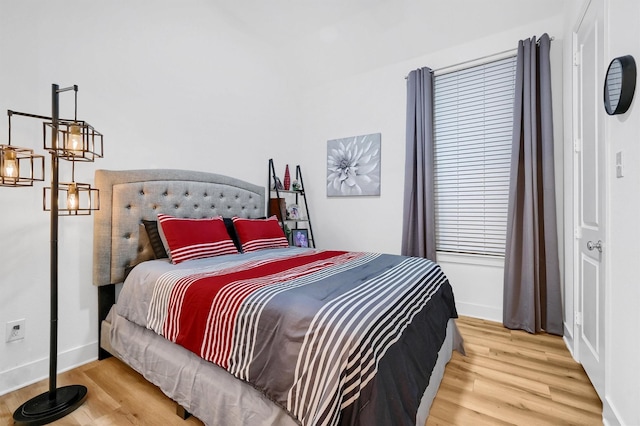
pixel 300 217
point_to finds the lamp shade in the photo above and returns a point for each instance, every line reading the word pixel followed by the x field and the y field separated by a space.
pixel 76 141
pixel 20 166
pixel 74 199
pixel 10 165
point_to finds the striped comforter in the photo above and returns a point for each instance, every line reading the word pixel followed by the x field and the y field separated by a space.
pixel 333 337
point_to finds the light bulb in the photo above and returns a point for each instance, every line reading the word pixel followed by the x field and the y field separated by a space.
pixel 74 140
pixel 10 166
pixel 72 196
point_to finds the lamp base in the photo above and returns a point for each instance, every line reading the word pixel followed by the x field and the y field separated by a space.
pixel 46 408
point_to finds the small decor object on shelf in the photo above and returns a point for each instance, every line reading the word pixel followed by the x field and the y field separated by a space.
pixel 277 184
pixel 277 206
pixel 287 178
pixel 293 211
pixel 287 233
pixel 296 186
pixel 301 238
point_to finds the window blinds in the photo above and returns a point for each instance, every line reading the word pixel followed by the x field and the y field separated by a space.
pixel 473 120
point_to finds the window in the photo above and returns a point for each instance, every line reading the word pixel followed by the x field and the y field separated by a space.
pixel 473 121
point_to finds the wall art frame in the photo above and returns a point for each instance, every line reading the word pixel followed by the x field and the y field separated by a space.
pixel 353 166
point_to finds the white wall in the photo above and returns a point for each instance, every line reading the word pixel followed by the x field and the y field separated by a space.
pixel 375 101
pixel 172 85
pixel 622 340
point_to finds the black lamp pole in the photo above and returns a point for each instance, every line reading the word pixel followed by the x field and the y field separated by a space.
pixel 57 402
pixel 53 261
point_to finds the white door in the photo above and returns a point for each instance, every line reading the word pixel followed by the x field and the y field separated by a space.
pixel 591 250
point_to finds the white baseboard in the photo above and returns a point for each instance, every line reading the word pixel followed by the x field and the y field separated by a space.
pixel 610 416
pixel 569 342
pixel 37 370
pixel 490 313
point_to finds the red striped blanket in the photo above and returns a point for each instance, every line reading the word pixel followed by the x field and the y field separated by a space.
pixel 312 330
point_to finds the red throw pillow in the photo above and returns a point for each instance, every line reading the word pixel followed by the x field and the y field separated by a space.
pixel 258 234
pixel 187 239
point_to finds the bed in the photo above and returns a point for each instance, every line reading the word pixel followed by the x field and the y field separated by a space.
pixel 310 336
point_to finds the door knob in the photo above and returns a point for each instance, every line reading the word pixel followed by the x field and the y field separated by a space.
pixel 591 245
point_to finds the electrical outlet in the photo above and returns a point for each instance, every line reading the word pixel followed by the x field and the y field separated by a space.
pixel 15 330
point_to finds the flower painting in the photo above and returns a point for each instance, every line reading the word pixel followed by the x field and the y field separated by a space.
pixel 353 166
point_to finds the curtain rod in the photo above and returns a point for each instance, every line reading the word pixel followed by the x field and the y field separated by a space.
pixel 482 58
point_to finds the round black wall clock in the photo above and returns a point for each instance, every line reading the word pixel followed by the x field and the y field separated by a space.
pixel 619 85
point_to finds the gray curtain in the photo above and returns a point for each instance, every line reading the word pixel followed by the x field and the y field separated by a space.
pixel 418 226
pixel 532 292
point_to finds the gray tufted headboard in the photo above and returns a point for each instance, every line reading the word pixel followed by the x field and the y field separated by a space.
pixel 129 196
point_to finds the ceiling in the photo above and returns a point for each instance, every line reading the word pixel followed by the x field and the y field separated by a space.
pixel 316 32
pixel 279 22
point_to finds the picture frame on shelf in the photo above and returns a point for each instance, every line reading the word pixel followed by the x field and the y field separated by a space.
pixel 300 237
pixel 293 212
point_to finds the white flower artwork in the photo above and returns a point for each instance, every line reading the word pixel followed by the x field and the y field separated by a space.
pixel 353 166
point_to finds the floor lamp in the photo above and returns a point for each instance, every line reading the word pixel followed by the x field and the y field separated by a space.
pixel 74 141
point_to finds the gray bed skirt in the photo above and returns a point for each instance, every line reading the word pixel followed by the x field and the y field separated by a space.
pixel 211 393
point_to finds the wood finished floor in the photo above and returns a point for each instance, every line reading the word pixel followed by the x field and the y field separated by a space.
pixel 513 378
pixel 507 377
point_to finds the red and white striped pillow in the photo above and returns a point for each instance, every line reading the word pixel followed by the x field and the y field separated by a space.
pixel 258 234
pixel 187 239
